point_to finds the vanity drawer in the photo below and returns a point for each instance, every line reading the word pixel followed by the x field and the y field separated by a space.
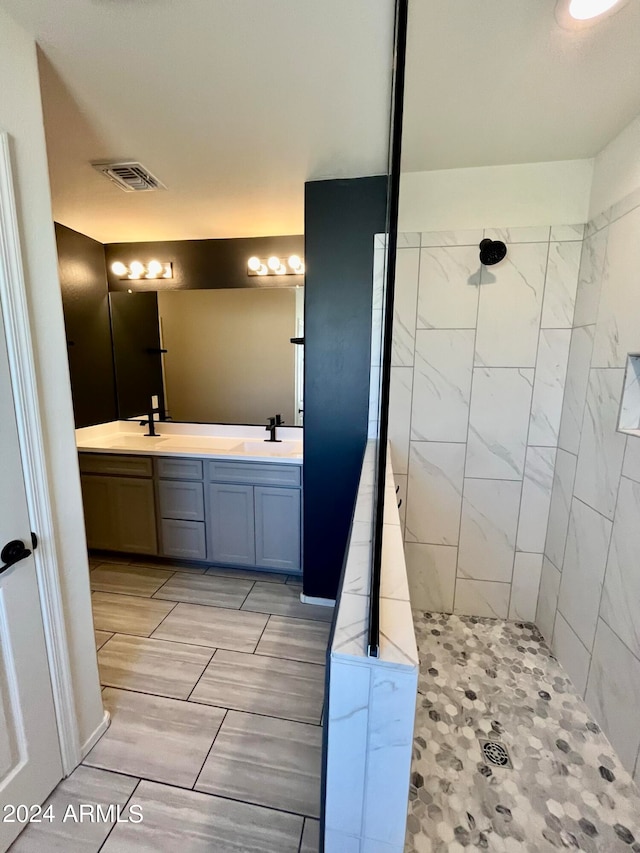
pixel 109 463
pixel 179 469
pixel 181 500
pixel 184 540
pixel 263 474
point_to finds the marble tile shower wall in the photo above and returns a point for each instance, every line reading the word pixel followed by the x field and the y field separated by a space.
pixel 589 602
pixel 479 365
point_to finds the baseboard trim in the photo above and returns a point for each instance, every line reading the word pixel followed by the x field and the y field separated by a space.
pixel 95 736
pixel 322 602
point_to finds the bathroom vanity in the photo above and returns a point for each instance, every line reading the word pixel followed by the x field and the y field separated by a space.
pixel 216 494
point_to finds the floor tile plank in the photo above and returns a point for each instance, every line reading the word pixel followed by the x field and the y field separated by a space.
pixel 128 614
pixel 198 823
pixel 247 574
pixel 194 569
pixel 310 836
pixel 85 785
pixel 265 761
pixel 151 737
pixel 277 688
pixel 206 589
pixel 101 638
pixel 215 627
pixel 131 580
pixel 295 639
pixel 284 601
pixel 152 666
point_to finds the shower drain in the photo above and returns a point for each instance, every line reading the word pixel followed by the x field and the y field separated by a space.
pixel 495 753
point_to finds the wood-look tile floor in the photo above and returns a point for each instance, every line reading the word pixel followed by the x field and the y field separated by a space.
pixel 215 682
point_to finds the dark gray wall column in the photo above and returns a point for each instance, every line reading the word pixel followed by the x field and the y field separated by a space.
pixel 341 217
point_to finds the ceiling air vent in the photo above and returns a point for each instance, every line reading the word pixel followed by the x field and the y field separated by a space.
pixel 130 176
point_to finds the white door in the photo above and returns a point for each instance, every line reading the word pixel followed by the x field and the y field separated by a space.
pixel 30 763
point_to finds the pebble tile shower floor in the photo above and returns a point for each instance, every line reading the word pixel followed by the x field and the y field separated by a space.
pixel 493 680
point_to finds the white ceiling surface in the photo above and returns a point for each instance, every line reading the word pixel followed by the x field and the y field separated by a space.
pixel 499 82
pixel 233 104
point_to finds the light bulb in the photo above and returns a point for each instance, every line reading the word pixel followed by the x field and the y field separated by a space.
pixel 584 10
pixel 262 270
pixel 136 269
pixel 118 268
pixel 281 270
pixel 154 268
pixel 294 262
pixel 254 264
pixel 273 263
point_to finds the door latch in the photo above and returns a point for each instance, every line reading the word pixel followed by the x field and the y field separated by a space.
pixel 12 553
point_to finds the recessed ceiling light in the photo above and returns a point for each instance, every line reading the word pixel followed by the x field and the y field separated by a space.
pixel 584 10
pixel 581 13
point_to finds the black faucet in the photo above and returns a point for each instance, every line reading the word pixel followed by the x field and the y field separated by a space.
pixel 271 427
pixel 150 422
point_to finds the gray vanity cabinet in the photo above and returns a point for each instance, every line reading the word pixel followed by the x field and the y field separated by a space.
pixel 232 513
pixel 232 524
pixel 98 520
pixel 184 540
pixel 180 500
pixel 181 508
pixel 135 515
pixel 277 523
pixel 254 513
pixel 119 510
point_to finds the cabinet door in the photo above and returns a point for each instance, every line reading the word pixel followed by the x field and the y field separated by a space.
pixel 181 500
pixel 98 514
pixel 231 524
pixel 277 527
pixel 183 539
pixel 135 517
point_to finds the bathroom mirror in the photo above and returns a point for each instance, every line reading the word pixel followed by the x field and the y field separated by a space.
pixel 210 355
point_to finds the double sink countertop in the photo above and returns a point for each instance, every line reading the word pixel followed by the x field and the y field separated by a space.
pixel 219 441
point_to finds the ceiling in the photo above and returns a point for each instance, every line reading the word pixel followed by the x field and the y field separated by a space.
pixel 499 81
pixel 234 104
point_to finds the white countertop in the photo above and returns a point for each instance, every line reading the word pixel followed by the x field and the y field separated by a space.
pixel 220 441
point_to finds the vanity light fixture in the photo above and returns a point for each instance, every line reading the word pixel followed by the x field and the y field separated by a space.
pixel 294 265
pixel 572 14
pixel 137 270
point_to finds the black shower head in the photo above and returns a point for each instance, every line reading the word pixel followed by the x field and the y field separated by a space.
pixel 492 252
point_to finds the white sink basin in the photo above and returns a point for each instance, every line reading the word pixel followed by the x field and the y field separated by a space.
pixel 135 442
pixel 271 448
pixel 204 442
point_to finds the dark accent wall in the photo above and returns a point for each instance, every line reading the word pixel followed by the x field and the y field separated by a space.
pixel 205 264
pixel 341 217
pixel 85 300
pixel 136 352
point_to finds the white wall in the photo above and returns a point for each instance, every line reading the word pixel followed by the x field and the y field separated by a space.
pixel 230 357
pixel 495 196
pixel 617 169
pixel 21 117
